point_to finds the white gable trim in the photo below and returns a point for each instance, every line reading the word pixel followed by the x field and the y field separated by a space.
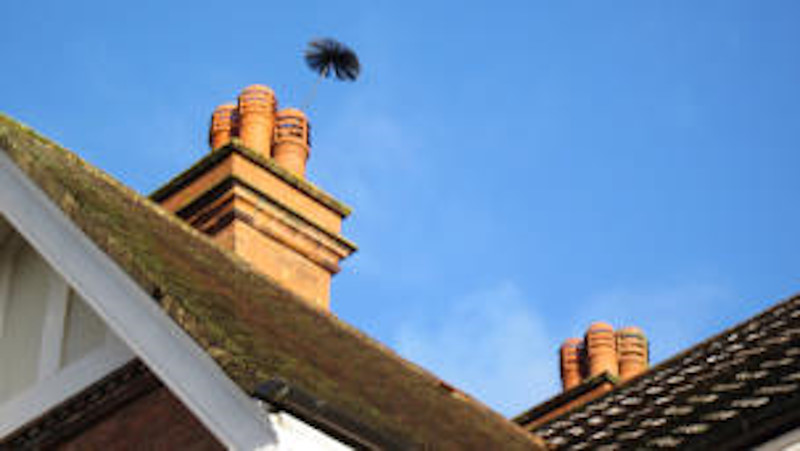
pixel 131 313
pixel 55 316
pixel 56 380
pixel 59 386
pixel 9 247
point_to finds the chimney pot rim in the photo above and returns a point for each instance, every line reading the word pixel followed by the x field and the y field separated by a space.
pixel 631 330
pixel 257 88
pixel 291 111
pixel 599 326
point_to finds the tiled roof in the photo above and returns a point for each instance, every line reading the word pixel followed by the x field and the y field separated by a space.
pixel 251 327
pixel 736 389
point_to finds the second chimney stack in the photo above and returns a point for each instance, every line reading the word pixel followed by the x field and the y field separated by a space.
pixel 622 354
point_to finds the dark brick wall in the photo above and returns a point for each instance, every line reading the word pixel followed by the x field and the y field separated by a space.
pixel 155 421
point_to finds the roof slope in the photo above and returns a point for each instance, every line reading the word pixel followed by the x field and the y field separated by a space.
pixel 253 329
pixel 736 389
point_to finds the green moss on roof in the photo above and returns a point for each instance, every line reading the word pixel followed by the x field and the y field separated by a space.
pixel 251 327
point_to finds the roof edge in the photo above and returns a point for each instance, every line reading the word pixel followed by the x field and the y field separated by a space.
pixel 566 397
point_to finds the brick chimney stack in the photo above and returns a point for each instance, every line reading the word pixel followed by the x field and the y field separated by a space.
pixel 622 354
pixel 250 194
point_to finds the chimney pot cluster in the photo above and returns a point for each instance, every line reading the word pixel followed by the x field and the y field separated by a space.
pixel 622 353
pixel 282 135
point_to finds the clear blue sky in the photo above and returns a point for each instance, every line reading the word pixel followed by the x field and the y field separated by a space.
pixel 517 169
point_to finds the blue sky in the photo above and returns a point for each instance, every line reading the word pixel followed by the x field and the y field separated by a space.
pixel 517 169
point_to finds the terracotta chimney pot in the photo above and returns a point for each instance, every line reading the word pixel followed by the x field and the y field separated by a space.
pixel 257 118
pixel 292 143
pixel 223 124
pixel 633 352
pixel 570 363
pixel 601 349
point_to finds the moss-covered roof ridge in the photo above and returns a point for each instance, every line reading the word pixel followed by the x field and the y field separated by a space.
pixel 251 327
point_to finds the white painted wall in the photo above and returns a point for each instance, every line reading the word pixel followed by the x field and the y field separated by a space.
pixel 24 304
pixel 52 345
pixel 295 435
pixel 84 331
pixel 789 441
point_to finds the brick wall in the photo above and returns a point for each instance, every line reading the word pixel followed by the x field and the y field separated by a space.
pixel 155 421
